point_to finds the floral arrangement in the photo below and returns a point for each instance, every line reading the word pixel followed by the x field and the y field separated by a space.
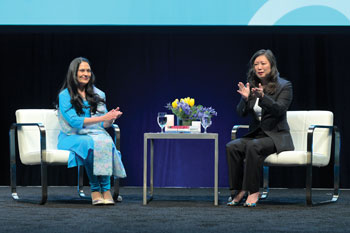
pixel 186 109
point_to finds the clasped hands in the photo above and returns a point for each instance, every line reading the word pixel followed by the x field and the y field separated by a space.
pixel 244 91
pixel 112 115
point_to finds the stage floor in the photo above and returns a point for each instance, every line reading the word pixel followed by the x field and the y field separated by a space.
pixel 172 210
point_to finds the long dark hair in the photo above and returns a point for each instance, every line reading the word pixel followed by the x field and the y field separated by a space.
pixel 71 83
pixel 271 78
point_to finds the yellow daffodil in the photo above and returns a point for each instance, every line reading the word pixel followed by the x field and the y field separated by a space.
pixel 174 104
pixel 191 102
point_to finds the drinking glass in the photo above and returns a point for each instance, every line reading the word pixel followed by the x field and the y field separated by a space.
pixel 161 119
pixel 206 122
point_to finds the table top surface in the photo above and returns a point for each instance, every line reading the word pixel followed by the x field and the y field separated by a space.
pixel 181 135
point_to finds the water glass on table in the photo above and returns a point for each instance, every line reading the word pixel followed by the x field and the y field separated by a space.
pixel 206 122
pixel 161 119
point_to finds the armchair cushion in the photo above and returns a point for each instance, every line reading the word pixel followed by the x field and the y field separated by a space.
pixel 295 158
pixel 52 157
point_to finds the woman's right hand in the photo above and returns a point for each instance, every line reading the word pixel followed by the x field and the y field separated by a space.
pixel 244 91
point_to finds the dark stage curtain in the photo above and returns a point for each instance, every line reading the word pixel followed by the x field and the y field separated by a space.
pixel 143 68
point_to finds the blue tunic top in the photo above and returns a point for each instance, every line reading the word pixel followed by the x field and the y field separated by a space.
pixel 79 145
pixel 80 140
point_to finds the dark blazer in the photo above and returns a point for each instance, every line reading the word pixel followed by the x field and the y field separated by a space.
pixel 273 116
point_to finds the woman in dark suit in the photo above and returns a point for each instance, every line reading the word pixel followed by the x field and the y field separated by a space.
pixel 266 97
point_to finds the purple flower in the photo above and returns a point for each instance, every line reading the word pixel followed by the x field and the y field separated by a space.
pixel 185 107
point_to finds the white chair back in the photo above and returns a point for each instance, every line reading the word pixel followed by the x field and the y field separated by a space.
pixel 29 136
pixel 299 122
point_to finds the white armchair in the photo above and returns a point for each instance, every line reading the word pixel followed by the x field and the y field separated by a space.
pixel 312 137
pixel 37 131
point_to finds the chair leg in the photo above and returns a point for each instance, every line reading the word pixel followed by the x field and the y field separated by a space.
pixel 81 183
pixel 265 190
pixel 43 183
pixel 336 177
pixel 116 196
pixel 335 195
pixel 13 169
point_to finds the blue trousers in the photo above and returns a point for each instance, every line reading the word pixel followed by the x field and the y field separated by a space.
pixel 97 183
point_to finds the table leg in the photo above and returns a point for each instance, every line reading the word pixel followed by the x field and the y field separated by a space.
pixel 151 167
pixel 216 173
pixel 145 171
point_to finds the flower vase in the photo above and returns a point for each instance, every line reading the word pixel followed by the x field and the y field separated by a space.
pixel 184 122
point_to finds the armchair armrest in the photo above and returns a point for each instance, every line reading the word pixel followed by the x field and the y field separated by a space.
pixel 116 135
pixel 309 147
pixel 42 132
pixel 235 128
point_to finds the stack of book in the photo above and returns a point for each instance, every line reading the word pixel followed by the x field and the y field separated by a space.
pixel 177 129
pixel 181 129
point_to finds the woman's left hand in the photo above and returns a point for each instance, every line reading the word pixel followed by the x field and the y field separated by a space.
pixel 258 91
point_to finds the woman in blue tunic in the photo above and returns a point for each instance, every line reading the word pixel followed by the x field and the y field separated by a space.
pixel 83 117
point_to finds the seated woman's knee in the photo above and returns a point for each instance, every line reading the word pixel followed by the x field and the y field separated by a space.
pixel 84 140
pixel 232 144
pixel 253 145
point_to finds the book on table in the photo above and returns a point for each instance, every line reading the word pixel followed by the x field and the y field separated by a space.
pixel 181 129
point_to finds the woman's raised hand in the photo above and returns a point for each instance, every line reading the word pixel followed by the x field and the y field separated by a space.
pixel 244 90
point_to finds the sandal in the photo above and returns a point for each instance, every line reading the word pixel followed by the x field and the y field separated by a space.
pixel 237 203
pixel 251 204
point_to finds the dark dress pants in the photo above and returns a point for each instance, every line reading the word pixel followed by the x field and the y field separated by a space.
pixel 245 158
